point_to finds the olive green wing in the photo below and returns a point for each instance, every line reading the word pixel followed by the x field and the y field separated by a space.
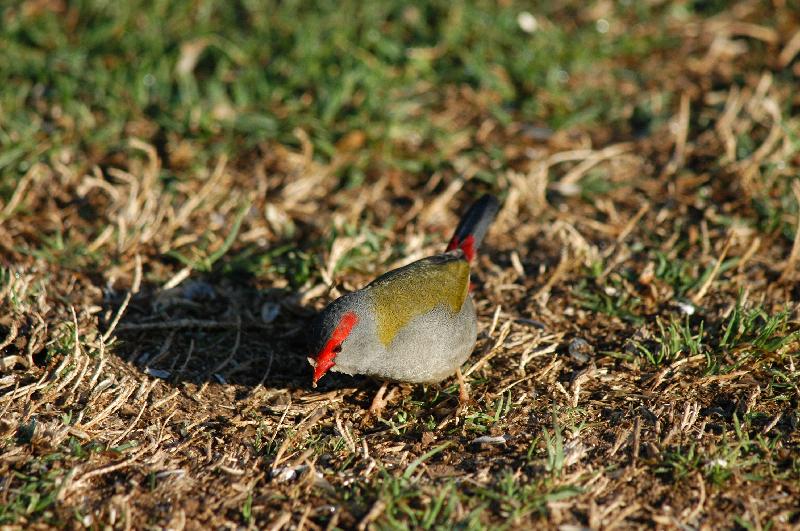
pixel 403 294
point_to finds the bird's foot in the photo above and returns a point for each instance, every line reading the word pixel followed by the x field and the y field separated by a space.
pixel 381 400
pixel 463 390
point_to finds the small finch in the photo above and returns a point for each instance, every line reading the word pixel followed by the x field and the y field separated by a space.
pixel 414 324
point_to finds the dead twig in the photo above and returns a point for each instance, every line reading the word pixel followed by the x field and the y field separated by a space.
pixel 137 280
pixel 789 269
pixel 714 272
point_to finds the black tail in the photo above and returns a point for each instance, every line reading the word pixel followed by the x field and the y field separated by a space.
pixel 473 226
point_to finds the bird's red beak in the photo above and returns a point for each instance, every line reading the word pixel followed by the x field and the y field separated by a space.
pixel 323 363
pixel 324 359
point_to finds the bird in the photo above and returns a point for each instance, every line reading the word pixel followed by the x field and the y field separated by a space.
pixel 415 324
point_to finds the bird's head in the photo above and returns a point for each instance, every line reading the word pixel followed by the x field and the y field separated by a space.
pixel 332 337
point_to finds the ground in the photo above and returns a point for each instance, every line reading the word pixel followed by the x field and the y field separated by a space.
pixel 182 185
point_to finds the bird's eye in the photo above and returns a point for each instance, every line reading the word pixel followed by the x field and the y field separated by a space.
pixel 338 348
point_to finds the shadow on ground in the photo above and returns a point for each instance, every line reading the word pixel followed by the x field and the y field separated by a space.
pixel 219 330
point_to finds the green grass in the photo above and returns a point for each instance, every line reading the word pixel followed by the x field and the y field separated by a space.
pixel 33 497
pixel 742 452
pixel 672 340
pixel 516 500
pixel 750 334
pixel 225 77
pixel 678 273
pixel 554 442
pixel 610 297
pixel 755 328
pixel 34 488
pixel 63 251
pixel 203 261
pixel 395 103
pixel 409 505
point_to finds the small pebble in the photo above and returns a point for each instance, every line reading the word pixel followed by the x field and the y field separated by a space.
pixel 580 350
pixel 158 373
pixel 287 473
pixel 270 311
pixel 687 307
pixel 488 439
pixel 196 290
pixel 527 22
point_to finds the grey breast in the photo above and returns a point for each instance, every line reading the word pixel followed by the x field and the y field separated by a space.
pixel 431 347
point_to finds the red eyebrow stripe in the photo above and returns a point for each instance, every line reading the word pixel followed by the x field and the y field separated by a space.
pixel 327 355
pixel 347 323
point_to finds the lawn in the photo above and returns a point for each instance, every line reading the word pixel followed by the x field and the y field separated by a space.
pixel 184 184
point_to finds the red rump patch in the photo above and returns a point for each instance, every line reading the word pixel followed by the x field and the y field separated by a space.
pixel 467 245
pixel 325 357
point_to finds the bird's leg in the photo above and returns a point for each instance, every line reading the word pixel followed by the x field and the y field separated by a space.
pixel 379 402
pixel 463 391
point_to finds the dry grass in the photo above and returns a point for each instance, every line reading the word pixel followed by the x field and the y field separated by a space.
pixel 637 363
